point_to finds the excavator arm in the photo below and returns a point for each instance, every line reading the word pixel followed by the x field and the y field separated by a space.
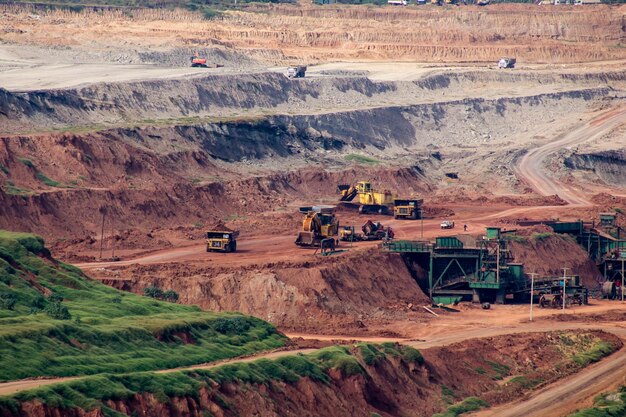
pixel 348 192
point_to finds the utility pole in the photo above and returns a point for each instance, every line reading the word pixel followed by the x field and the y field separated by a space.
pixel 102 231
pixel 622 255
pixel 564 278
pixel 498 262
pixel 532 293
pixel 112 241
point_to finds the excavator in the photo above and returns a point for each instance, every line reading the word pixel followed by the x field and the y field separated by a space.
pixel 319 224
pixel 370 201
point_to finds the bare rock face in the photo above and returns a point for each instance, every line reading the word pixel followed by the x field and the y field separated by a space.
pixel 609 166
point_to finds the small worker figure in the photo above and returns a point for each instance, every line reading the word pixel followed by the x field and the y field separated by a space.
pixel 465 228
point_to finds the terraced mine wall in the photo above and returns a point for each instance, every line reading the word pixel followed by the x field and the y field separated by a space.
pixel 226 96
pixel 142 173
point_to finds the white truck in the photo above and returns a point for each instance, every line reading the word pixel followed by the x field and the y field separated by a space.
pixel 296 71
pixel 447 224
pixel 506 63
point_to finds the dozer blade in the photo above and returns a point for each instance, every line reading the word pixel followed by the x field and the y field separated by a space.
pixel 305 239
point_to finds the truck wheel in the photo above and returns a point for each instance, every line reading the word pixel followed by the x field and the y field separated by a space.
pixel 227 248
pixel 234 246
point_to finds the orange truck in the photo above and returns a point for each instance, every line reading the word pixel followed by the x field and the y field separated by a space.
pixel 196 61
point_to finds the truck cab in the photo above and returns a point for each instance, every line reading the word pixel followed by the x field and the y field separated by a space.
pixel 221 241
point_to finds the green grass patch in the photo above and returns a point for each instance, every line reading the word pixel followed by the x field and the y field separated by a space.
pixel 361 159
pixel 12 189
pixel 480 370
pixel 27 162
pixel 599 350
pixel 338 357
pixel 49 182
pixel 500 370
pixel 370 353
pixel 515 238
pixel 606 405
pixel 448 395
pixel 542 236
pixel 4 169
pixel 467 405
pixel 526 383
pixel 105 330
pixel 616 209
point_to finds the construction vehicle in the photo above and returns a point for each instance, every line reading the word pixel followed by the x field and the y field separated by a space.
pixel 319 223
pixel 370 201
pixel 376 231
pixel 196 61
pixel 221 240
pixel 371 231
pixel 348 234
pixel 407 209
pixel 447 224
pixel 296 72
pixel 506 63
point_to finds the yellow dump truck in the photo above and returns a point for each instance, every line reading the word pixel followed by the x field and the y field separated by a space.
pixel 370 200
pixel 318 224
pixel 407 209
pixel 221 240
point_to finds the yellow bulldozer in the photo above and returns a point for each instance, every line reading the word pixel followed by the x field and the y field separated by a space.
pixel 370 200
pixel 319 224
pixel 221 240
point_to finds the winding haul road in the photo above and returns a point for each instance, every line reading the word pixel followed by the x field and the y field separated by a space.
pixel 531 169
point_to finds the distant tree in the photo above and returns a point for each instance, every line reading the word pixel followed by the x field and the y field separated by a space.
pixel 171 296
pixel 153 292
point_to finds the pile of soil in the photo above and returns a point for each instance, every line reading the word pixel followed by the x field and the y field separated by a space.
pixel 338 295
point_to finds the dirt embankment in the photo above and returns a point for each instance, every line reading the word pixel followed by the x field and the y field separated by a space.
pixel 181 203
pixel 330 295
pixel 387 384
pixel 609 166
pixel 546 253
pixel 282 33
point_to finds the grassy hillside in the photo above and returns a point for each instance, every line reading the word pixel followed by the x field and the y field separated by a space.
pixel 54 321
pixel 95 392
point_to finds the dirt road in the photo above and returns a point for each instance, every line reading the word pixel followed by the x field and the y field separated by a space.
pixel 565 397
pixel 42 77
pixel 531 167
